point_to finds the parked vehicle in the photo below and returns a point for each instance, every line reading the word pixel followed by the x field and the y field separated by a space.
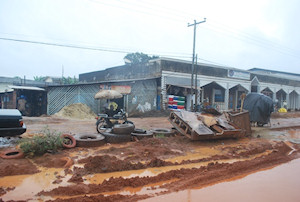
pixel 105 121
pixel 11 123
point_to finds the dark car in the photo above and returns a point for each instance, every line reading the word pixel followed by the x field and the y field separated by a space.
pixel 11 123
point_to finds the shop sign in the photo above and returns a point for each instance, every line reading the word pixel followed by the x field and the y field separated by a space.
pixel 122 89
pixel 238 74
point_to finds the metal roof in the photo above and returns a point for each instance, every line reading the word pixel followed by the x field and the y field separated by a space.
pixel 26 88
pixel 10 88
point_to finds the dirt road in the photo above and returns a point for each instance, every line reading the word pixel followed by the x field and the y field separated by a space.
pixel 140 170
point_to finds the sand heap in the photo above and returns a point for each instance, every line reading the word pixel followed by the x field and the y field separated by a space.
pixel 78 111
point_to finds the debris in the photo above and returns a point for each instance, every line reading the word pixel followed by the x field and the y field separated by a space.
pixel 203 127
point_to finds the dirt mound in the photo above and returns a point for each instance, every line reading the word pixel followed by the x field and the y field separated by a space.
pixel 11 167
pixel 78 111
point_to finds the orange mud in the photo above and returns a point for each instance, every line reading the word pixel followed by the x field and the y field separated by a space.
pixel 137 170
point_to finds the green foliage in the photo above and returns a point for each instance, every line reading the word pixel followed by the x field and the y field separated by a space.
pixel 47 141
pixel 69 80
pixel 138 58
pixel 62 80
pixel 160 136
pixel 39 78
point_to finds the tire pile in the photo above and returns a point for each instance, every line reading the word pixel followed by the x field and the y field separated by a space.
pixel 118 134
pixel 128 132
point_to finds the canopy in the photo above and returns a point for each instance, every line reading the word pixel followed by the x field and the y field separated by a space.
pixel 108 94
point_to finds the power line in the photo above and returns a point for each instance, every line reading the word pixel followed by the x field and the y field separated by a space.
pixel 62 45
pixel 169 54
pixel 215 26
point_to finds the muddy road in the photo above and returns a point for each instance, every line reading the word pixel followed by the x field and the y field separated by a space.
pixel 150 169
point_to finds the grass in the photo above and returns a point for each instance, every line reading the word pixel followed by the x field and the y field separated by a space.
pixel 47 141
pixel 160 136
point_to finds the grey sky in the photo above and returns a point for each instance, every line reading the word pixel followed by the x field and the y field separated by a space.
pixel 241 34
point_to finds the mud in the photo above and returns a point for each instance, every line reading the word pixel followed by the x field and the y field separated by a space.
pixel 11 167
pixel 185 178
pixel 138 170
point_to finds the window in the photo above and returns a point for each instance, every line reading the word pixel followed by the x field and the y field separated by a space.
pixel 219 95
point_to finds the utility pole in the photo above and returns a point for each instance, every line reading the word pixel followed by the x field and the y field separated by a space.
pixel 196 85
pixel 194 42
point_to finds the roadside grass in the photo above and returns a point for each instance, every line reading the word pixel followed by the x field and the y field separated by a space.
pixel 46 141
pixel 160 135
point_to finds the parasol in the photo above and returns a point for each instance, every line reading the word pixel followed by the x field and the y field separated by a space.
pixel 108 94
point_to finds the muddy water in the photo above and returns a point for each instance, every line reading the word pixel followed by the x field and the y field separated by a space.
pixel 292 135
pixel 277 184
pixel 100 177
pixel 27 186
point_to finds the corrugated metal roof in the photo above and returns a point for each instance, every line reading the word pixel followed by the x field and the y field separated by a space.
pixel 10 88
pixel 4 89
pixel 26 88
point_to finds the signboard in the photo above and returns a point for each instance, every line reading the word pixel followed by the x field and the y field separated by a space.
pixel 122 89
pixel 238 74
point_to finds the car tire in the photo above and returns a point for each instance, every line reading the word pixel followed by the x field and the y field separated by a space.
pixel 12 154
pixel 139 131
pixel 162 131
pixel 126 122
pixel 89 140
pixel 116 138
pixel 100 126
pixel 141 134
pixel 123 129
pixel 70 144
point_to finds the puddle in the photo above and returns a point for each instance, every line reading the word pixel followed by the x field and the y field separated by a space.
pixel 27 186
pixel 278 184
pixel 292 135
pixel 198 153
pixel 100 177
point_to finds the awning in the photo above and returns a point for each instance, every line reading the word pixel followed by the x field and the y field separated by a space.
pixel 6 89
pixel 26 88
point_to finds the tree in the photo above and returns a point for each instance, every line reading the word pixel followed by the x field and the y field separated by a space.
pixel 69 80
pixel 39 78
pixel 137 58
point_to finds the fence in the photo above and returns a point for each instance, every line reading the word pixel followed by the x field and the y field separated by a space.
pixel 60 96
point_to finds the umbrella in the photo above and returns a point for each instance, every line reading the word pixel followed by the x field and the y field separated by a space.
pixel 108 94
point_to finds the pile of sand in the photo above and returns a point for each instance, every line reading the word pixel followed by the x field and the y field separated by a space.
pixel 77 111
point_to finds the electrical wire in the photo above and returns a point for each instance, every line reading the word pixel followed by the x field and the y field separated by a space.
pixel 215 26
pixel 106 50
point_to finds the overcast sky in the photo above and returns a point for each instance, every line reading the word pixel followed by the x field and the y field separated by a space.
pixel 237 33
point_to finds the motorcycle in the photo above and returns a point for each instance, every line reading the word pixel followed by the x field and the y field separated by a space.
pixel 105 121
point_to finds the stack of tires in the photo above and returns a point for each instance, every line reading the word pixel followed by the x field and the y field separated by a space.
pixel 89 140
pixel 119 133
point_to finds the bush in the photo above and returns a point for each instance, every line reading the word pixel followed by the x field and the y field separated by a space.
pixel 47 141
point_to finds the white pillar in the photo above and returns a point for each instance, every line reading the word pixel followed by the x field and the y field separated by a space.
pixel 226 97
pixel 288 99
pixel 274 94
pixel 163 92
